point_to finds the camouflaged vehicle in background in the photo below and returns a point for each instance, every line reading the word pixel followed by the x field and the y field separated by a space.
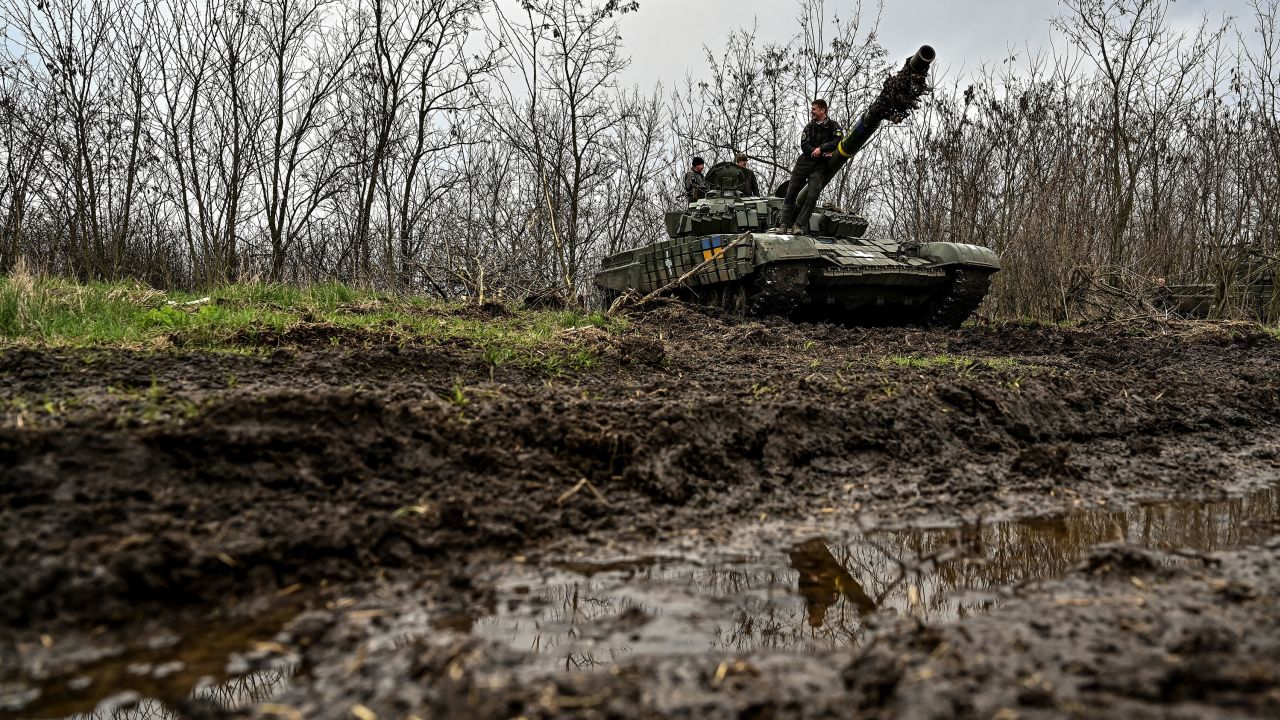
pixel 1251 293
pixel 830 272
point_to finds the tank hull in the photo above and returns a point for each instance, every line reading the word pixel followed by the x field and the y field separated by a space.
pixel 849 280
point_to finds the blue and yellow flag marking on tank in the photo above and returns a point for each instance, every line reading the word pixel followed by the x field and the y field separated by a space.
pixel 712 247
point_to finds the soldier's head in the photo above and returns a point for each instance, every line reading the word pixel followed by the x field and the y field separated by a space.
pixel 818 110
pixel 740 159
pixel 699 164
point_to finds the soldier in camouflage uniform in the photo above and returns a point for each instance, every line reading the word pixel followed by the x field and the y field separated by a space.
pixel 817 143
pixel 752 187
pixel 695 183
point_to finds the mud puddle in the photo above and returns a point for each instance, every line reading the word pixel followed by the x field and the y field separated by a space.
pixel 229 665
pixel 757 595
pixel 823 592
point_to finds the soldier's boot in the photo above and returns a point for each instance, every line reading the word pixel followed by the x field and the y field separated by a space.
pixel 784 225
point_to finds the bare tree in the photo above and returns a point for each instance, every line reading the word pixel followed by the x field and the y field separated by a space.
pixel 1261 91
pixel 25 134
pixel 211 122
pixel 69 40
pixel 305 65
pixel 634 199
pixel 569 62
pixel 418 65
pixel 1147 70
pixel 732 96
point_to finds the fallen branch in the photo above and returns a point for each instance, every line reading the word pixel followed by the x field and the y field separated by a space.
pixel 1084 280
pixel 683 278
pixel 189 303
pixel 1208 560
pixel 574 491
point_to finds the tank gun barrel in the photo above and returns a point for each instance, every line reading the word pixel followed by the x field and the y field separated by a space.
pixel 899 96
pixel 923 58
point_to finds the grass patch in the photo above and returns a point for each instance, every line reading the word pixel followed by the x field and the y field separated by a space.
pixel 155 404
pixel 257 316
pixel 955 363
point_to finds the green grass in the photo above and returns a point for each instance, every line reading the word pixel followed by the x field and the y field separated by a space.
pixel 955 363
pixel 155 404
pixel 254 316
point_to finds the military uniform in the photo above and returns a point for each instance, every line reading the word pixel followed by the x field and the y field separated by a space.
pixel 695 185
pixel 809 170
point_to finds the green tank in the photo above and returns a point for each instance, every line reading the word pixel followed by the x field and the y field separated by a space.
pixel 724 250
pixel 1249 292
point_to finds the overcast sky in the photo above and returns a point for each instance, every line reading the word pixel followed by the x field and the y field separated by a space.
pixel 665 38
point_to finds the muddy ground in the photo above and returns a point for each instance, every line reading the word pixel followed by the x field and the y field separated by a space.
pixel 338 493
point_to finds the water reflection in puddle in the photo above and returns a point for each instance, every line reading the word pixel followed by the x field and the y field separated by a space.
pixel 212 664
pixel 240 692
pixel 818 594
pixel 237 693
pixel 813 595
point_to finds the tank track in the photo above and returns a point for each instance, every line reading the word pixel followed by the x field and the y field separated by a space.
pixel 964 294
pixel 775 290
pixel 607 298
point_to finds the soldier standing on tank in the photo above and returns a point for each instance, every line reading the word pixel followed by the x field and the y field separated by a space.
pixel 817 143
pixel 752 188
pixel 695 183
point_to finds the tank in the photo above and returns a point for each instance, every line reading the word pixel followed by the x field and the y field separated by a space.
pixel 724 249
pixel 1250 292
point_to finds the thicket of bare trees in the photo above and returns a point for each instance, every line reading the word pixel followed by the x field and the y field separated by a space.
pixel 461 148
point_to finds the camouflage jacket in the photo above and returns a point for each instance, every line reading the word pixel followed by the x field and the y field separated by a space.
pixel 695 185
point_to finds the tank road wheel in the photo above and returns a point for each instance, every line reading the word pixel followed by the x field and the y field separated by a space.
pixel 607 297
pixel 733 299
pixel 780 289
pixel 729 297
pixel 963 295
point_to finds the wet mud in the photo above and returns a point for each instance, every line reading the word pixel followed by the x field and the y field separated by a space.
pixel 817 594
pixel 713 518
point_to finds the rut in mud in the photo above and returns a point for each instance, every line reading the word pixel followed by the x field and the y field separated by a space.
pixel 146 487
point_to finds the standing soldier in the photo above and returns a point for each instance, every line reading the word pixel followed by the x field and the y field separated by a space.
pixel 752 187
pixel 695 183
pixel 817 143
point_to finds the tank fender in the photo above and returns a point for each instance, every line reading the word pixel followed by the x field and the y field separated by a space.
pixel 770 248
pixel 619 279
pixel 947 253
